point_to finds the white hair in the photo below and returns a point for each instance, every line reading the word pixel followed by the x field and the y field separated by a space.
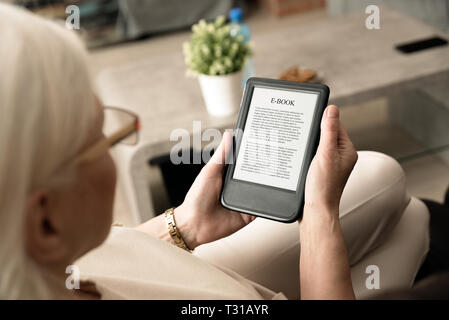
pixel 47 105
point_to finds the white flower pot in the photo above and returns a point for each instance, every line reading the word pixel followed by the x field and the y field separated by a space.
pixel 222 94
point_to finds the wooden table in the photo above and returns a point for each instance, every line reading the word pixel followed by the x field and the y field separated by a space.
pixel 357 64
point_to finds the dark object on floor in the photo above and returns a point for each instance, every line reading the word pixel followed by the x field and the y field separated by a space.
pixel 178 178
pixel 437 259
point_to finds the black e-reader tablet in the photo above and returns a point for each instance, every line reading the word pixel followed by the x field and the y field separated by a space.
pixel 275 139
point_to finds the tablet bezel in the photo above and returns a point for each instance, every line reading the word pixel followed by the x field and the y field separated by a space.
pixel 262 200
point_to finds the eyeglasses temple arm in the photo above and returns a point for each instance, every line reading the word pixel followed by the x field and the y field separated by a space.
pixel 104 144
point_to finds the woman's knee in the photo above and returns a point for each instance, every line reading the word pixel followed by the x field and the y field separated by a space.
pixel 376 178
pixel 372 203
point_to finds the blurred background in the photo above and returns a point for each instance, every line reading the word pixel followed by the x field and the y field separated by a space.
pixel 111 21
pixel 392 101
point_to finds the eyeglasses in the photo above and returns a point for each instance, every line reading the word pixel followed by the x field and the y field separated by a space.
pixel 119 126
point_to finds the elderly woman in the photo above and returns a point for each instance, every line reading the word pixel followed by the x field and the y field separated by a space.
pixel 57 183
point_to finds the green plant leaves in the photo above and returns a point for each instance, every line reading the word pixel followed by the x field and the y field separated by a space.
pixel 212 49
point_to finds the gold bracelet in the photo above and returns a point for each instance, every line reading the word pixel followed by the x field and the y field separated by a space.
pixel 173 230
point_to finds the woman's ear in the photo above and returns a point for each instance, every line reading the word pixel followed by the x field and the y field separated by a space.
pixel 43 240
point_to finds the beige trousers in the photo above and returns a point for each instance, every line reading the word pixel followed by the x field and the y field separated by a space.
pixel 372 204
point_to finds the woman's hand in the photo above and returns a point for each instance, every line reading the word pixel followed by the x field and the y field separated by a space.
pixel 324 266
pixel 331 166
pixel 201 218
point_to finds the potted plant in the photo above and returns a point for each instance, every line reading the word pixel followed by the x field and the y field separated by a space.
pixel 217 58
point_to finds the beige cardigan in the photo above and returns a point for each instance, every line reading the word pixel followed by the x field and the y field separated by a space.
pixel 134 265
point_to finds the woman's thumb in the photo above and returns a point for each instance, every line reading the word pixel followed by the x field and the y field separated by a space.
pixel 330 126
pixel 218 160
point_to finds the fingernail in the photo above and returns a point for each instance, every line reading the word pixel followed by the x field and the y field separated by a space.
pixel 332 112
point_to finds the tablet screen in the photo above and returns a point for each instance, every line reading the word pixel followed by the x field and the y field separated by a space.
pixel 275 137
